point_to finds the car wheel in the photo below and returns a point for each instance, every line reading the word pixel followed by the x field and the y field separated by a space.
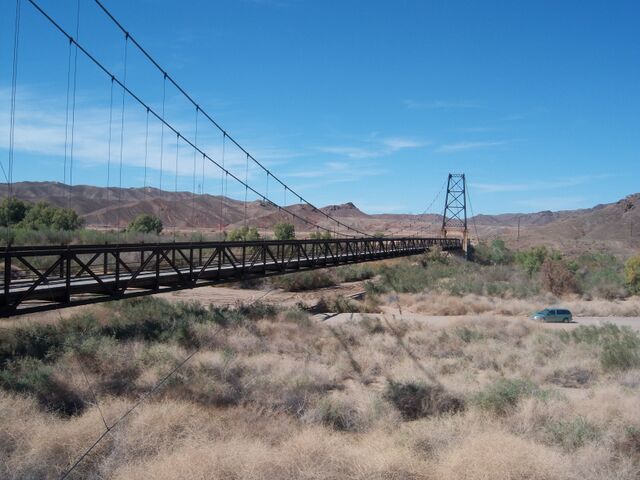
pixel 565 320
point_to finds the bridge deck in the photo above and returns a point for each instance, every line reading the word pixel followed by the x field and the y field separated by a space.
pixel 43 278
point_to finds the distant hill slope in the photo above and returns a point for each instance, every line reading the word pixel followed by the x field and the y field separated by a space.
pixel 613 226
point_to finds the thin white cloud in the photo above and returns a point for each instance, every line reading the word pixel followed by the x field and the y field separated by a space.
pixel 374 146
pixel 399 143
pixel 334 172
pixel 466 146
pixel 439 104
pixel 40 130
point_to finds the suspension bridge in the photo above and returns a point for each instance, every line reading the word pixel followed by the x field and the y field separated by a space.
pixel 45 277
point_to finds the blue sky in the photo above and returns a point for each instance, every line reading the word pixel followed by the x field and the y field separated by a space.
pixel 372 102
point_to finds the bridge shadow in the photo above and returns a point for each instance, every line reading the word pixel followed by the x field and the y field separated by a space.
pixel 398 335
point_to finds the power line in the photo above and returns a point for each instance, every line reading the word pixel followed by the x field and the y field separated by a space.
pixel 208 117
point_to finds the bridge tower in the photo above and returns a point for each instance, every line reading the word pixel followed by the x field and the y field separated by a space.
pixel 454 218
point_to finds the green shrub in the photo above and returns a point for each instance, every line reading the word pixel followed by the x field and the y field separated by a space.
pixel 632 274
pixel 572 434
pixel 338 415
pixel 320 235
pixel 244 233
pixel 341 304
pixel 310 280
pixel 12 211
pixel 417 399
pixel 468 334
pixel 284 231
pixel 504 394
pixel 599 275
pixel 145 223
pixel 495 253
pixel 298 316
pixel 531 260
pixel 405 278
pixel 354 273
pixel 621 353
pixel 32 376
pixel 619 346
pixel 257 310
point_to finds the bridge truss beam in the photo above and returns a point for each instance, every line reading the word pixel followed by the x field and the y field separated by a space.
pixel 41 278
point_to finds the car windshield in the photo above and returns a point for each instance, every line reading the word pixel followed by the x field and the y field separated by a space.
pixel 543 312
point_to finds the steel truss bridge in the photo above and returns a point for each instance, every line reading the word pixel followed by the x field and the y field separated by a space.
pixel 55 277
pixel 46 277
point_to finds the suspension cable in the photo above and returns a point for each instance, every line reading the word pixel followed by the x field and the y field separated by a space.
pixel 208 117
pixel 167 124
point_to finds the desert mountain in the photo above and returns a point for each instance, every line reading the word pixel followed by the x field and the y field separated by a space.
pixel 614 226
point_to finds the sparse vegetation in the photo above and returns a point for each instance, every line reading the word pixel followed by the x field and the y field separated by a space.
pixel 479 396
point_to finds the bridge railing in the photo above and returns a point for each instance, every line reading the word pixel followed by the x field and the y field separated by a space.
pixel 65 275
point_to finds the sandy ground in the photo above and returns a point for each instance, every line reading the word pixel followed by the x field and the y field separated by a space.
pixel 225 295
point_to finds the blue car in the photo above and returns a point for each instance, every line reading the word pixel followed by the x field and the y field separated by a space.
pixel 553 315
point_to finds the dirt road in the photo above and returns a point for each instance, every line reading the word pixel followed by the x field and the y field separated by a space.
pixel 441 321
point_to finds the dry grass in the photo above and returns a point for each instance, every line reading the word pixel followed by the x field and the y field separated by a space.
pixel 285 396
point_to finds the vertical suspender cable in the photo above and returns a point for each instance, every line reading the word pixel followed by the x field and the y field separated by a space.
pixel 109 151
pixel 14 82
pixel 66 116
pixel 246 189
pixel 175 189
pixel 146 153
pixel 267 189
pixel 193 186
pixel 222 175
pixel 164 92
pixel 124 82
pixel 73 104
pixel 202 193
